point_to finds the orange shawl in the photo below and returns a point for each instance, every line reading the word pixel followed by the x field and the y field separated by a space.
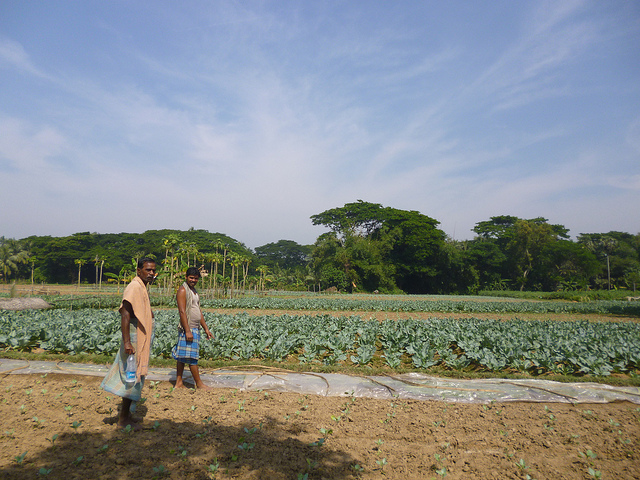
pixel 137 295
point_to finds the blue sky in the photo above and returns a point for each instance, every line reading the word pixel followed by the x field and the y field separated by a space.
pixel 248 117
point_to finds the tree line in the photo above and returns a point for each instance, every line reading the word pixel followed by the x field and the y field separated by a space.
pixel 368 248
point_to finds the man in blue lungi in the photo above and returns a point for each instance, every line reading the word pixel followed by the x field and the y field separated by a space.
pixel 187 350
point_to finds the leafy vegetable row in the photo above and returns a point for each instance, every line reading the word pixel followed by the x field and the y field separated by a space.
pixel 346 304
pixel 532 346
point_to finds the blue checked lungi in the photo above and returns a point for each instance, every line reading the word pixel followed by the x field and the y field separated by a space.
pixel 114 381
pixel 187 352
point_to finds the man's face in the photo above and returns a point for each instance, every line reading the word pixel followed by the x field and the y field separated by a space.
pixel 192 280
pixel 148 272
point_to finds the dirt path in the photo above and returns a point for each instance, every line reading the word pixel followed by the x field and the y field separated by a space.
pixel 268 435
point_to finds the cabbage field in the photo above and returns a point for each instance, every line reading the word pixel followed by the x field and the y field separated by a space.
pixel 532 346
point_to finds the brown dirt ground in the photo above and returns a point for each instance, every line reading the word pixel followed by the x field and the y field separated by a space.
pixel 185 432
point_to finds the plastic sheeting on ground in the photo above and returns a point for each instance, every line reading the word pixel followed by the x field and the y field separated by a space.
pixel 405 386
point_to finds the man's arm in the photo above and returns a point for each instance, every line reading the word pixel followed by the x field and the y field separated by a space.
pixel 126 314
pixel 181 300
pixel 203 324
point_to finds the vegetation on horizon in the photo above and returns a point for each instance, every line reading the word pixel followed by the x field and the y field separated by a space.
pixel 369 248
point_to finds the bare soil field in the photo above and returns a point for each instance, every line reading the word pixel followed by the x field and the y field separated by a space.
pixel 63 426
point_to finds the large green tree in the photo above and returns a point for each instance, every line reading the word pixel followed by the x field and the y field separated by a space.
pixel 371 247
pixel 285 254
pixel 528 254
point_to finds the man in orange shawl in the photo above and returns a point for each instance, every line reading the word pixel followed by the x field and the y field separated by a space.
pixel 136 322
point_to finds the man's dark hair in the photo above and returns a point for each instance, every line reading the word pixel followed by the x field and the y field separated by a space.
pixel 193 271
pixel 144 260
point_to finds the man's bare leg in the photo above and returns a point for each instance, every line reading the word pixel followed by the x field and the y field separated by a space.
pixel 179 372
pixel 196 378
pixel 125 418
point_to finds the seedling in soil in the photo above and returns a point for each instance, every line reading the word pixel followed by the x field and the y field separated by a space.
pixel 28 392
pixel 53 440
pixel 521 464
pixel 38 423
pixel 311 464
pixel 44 471
pixel 213 468
pixel 588 453
pixel 357 468
pixel 442 472
pixel 240 406
pixel 78 460
pixel 595 473
pixel 20 458
pixel 156 425
pixel 318 443
pixel 182 452
pixel 76 424
pixel 325 432
pixel 382 462
pixel 9 433
pixel 103 448
pixel 160 470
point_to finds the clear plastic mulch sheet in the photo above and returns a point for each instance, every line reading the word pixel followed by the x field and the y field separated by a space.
pixel 414 386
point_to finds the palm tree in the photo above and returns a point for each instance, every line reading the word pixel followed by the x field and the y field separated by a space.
pixel 245 271
pixel 224 261
pixel 11 256
pixel 80 262
pixel 170 242
pixel 235 261
pixel 262 269
pixel 99 260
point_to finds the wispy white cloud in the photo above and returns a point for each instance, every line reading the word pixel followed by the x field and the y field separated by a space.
pixel 13 55
pixel 258 116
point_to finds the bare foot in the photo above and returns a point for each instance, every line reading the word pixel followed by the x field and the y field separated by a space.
pixel 204 387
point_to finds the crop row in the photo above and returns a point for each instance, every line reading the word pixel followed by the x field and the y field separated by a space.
pixel 594 348
pixel 347 304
